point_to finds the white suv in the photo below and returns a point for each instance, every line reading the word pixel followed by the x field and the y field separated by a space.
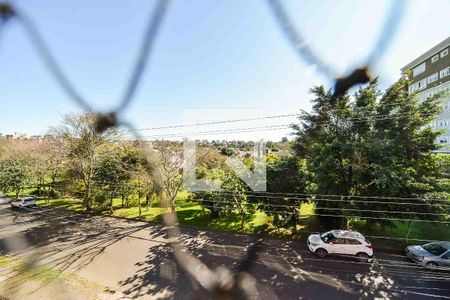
pixel 344 242
pixel 23 202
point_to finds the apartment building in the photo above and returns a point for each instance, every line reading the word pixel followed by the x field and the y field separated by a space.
pixel 430 74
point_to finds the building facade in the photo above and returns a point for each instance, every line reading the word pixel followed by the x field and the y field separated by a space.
pixel 429 75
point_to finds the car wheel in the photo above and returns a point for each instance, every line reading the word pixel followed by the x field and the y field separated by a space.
pixel 321 252
pixel 432 265
pixel 362 256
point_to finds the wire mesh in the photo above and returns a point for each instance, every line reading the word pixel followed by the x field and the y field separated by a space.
pixel 220 282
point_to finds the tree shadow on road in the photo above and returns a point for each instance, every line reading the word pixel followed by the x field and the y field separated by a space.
pixel 278 271
pixel 74 241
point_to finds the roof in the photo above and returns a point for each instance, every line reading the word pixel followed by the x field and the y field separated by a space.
pixel 441 46
pixel 347 234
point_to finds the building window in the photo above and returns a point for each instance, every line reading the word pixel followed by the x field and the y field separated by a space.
pixel 443 140
pixel 422 84
pixel 443 123
pixel 444 53
pixel 433 78
pixel 435 58
pixel 446 106
pixel 419 69
pixel 445 72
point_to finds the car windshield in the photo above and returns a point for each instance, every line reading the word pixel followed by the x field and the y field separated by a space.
pixel 327 237
pixel 434 248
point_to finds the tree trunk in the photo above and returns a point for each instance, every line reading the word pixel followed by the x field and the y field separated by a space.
pixel 408 232
pixel 242 219
pixel 139 205
pixel 344 223
pixel 127 202
pixel 17 194
pixel 148 201
pixel 111 208
pixel 48 195
pixel 87 196
pixel 38 188
pixel 123 199
pixel 172 205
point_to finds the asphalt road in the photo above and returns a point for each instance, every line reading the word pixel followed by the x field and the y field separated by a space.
pixel 133 260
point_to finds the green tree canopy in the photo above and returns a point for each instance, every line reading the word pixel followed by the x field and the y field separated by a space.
pixel 372 144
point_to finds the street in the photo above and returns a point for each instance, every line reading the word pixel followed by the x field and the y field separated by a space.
pixel 132 259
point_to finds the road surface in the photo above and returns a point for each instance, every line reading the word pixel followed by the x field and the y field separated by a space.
pixel 133 260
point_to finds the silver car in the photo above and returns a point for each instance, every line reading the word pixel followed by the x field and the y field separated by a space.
pixel 5 199
pixel 431 255
pixel 23 202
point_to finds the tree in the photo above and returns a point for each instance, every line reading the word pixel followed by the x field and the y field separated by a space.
pixel 169 160
pixel 15 167
pixel 110 174
pixel 234 197
pixel 45 161
pixel 374 144
pixel 14 176
pixel 285 174
pixel 82 143
pixel 166 166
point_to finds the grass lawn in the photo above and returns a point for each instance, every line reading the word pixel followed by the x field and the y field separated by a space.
pixel 24 279
pixel 191 213
pixel 66 203
pixel 398 237
pixel 188 212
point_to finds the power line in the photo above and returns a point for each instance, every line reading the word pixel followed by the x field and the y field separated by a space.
pixel 348 201
pixel 215 122
pixel 306 196
pixel 225 131
pixel 277 127
pixel 344 197
pixel 274 117
pixel 305 216
pixel 318 208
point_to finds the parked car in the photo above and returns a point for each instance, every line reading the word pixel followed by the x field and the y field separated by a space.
pixel 431 255
pixel 5 199
pixel 342 242
pixel 23 202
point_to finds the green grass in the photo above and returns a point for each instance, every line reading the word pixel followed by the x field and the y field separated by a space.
pixel 43 274
pixel 191 213
pixel 66 203
pixel 5 260
pixel 20 271
pixel 398 237
pixel 25 271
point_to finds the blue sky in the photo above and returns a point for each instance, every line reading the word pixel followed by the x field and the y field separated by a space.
pixel 215 57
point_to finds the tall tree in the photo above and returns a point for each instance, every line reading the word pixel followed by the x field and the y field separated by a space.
pixel 166 164
pixel 285 174
pixel 371 144
pixel 15 166
pixel 83 142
